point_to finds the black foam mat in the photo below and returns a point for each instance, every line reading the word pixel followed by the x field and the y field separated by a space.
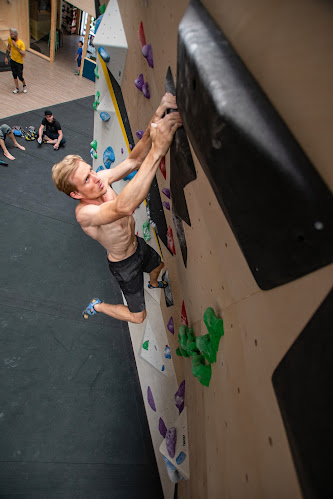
pixel 73 422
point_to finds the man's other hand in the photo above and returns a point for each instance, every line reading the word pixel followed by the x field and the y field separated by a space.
pixel 168 102
pixel 163 131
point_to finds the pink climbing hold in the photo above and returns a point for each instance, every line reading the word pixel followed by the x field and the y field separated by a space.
pixel 139 82
pixel 150 398
pixel 183 317
pixel 171 326
pixel 141 35
pixel 162 428
pixel 166 191
pixel 145 90
pixel 170 241
pixel 162 167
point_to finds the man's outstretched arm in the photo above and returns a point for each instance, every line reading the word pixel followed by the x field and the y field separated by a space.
pixel 137 189
pixel 142 148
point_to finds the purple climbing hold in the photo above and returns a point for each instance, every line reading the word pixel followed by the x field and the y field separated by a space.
pixel 139 82
pixel 150 398
pixel 139 134
pixel 166 205
pixel 147 52
pixel 171 326
pixel 162 428
pixel 122 151
pixel 180 397
pixel 166 191
pixel 145 90
pixel 130 146
pixel 170 440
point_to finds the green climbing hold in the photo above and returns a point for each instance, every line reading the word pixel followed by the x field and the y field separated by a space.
pixel 146 231
pixel 96 72
pixel 206 347
pixel 201 370
pixel 215 327
pixel 94 145
pixel 178 352
pixel 145 345
pixel 191 346
pixel 96 103
pixel 183 338
pixel 102 8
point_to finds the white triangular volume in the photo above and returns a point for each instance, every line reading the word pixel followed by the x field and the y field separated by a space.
pixel 181 461
pixel 151 350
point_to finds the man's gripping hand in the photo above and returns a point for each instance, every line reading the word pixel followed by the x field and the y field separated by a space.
pixel 162 132
pixel 168 102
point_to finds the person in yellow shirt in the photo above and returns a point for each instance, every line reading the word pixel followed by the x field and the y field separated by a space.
pixel 16 49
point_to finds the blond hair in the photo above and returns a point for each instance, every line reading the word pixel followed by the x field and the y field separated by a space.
pixel 62 171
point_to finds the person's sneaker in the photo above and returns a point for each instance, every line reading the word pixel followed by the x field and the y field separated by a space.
pixel 89 310
pixel 16 91
pixel 77 73
pixel 25 89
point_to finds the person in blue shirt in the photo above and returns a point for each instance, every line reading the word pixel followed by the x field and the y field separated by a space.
pixel 78 57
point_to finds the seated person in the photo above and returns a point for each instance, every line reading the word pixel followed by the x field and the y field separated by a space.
pixel 50 131
pixel 4 131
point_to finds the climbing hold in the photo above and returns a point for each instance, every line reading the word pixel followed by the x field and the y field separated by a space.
pixel 170 440
pixel 191 346
pixel 96 103
pixel 97 23
pixel 108 157
pixel 166 191
pixel 214 325
pixel 146 231
pixel 162 428
pixel 173 473
pixel 94 145
pixel 201 370
pixel 183 317
pixel 145 345
pixel 171 326
pixel 100 168
pixel 145 90
pixel 166 205
pixel 206 347
pixel 122 151
pixel 130 146
pixel 183 339
pixel 102 8
pixel 181 458
pixel 103 53
pixel 167 352
pixel 141 35
pixel 180 397
pixel 150 398
pixel 139 134
pixel 93 154
pixel 179 352
pixel 163 368
pixel 139 82
pixel 163 168
pixel 170 241
pixel 104 116
pixel 147 52
pixel 130 175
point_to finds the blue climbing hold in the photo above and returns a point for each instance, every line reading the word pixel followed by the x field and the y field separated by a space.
pixel 108 157
pixel 181 458
pixel 100 168
pixel 167 352
pixel 98 22
pixel 163 368
pixel 104 55
pixel 105 116
pixel 130 175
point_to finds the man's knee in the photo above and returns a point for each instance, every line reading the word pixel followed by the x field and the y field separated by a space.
pixel 139 317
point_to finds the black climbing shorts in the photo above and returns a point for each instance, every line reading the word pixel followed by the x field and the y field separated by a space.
pixel 129 274
pixel 17 69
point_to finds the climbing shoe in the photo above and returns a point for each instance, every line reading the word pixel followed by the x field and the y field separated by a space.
pixel 89 310
pixel 161 284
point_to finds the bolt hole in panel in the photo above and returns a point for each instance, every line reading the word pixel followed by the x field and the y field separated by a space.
pixel 277 205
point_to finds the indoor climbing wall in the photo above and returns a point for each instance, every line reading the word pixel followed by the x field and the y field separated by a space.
pixel 245 232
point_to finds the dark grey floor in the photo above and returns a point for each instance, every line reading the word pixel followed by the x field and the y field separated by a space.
pixel 72 419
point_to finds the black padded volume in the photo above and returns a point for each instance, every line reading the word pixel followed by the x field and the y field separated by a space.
pixel 277 205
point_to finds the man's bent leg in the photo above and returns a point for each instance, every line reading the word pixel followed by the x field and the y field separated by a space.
pixel 121 312
pixel 5 150
pixel 16 144
pixel 154 275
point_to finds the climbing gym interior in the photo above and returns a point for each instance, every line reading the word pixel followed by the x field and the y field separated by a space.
pixel 234 358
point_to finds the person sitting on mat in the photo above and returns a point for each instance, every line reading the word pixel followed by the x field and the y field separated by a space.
pixel 50 131
pixel 106 217
pixel 4 131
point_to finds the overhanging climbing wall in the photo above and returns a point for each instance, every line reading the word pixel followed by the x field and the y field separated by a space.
pixel 237 439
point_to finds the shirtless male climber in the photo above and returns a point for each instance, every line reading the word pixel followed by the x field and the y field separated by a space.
pixel 106 217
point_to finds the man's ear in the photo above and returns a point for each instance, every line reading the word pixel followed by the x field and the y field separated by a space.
pixel 75 195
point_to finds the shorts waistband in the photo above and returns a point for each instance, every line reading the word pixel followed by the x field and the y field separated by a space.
pixel 126 260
